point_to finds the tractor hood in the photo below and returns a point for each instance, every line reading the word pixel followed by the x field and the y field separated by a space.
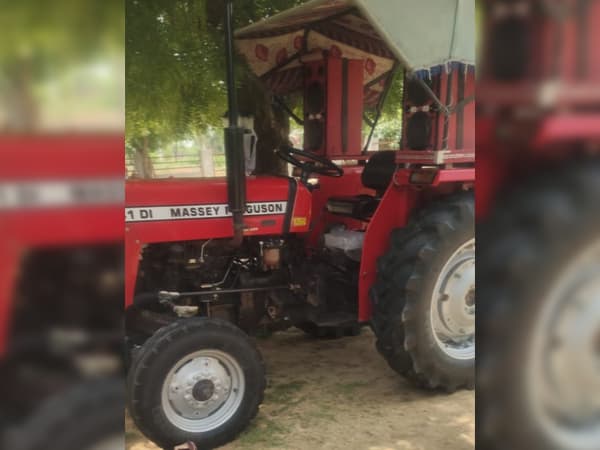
pixel 179 209
pixel 422 36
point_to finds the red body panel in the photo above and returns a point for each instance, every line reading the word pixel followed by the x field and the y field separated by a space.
pixel 566 128
pixel 207 192
pixel 441 177
pixel 333 113
pixel 11 255
pixel 341 114
pixel 393 212
pixel 61 157
pixel 29 164
pixel 354 107
pixel 302 214
pixel 204 201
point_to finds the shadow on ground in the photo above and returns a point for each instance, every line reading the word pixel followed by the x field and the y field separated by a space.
pixel 340 394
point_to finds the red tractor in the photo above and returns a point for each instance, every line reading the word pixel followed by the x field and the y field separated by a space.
pixel 538 191
pixel 382 238
pixel 61 291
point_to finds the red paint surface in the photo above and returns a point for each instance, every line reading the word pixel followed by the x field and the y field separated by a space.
pixel 328 73
pixel 355 97
pixel 10 258
pixel 393 212
pixel 564 128
pixel 197 192
pixel 61 157
pixel 333 115
pixel 57 158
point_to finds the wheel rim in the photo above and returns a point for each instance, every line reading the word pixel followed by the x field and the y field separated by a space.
pixel 564 355
pixel 203 391
pixel 453 304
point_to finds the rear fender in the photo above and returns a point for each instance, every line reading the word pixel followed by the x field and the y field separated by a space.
pixel 395 208
pixel 393 212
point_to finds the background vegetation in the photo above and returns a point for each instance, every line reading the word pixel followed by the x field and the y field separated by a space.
pixel 175 87
pixel 61 66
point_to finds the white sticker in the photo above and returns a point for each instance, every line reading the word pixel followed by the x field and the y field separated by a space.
pixel 61 193
pixel 187 212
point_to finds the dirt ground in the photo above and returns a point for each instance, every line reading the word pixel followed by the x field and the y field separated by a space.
pixel 340 394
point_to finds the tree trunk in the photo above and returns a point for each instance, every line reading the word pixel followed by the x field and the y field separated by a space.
pixel 205 153
pixel 142 163
pixel 272 126
pixel 22 109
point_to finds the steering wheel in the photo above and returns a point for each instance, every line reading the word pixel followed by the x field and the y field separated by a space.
pixel 310 164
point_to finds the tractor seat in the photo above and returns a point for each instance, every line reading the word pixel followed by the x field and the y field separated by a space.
pixel 377 175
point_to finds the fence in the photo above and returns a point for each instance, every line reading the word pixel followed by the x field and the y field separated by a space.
pixel 187 165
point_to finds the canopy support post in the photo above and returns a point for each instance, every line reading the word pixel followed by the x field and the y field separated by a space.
pixel 288 110
pixel 443 108
pixel 379 107
pixel 447 112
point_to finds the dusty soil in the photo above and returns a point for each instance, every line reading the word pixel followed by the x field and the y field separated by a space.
pixel 340 394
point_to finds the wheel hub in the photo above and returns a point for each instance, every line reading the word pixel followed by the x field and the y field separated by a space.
pixel 199 387
pixel 453 304
pixel 202 390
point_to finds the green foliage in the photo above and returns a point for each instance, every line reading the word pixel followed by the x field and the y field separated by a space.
pixel 175 65
pixel 392 108
pixel 46 42
pixel 54 33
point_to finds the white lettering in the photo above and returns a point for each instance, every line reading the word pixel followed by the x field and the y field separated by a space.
pixel 186 212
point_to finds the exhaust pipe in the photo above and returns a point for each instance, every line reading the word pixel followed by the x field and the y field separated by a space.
pixel 236 180
pixel 234 140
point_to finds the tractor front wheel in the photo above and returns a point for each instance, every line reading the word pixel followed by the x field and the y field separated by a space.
pixel 199 380
pixel 424 297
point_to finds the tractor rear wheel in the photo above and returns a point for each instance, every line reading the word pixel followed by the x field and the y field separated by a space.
pixel 424 296
pixel 200 380
pixel 539 332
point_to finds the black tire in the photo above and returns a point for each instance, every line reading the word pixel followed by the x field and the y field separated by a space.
pixel 532 235
pixel 159 355
pixel 402 294
pixel 81 418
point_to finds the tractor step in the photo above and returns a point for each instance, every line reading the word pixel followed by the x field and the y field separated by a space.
pixel 332 325
pixel 332 320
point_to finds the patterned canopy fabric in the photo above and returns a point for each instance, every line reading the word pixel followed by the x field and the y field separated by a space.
pixel 422 36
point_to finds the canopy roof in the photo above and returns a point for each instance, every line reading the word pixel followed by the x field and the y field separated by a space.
pixel 423 36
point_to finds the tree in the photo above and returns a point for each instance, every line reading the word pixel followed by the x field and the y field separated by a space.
pixel 40 39
pixel 175 72
pixel 175 65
